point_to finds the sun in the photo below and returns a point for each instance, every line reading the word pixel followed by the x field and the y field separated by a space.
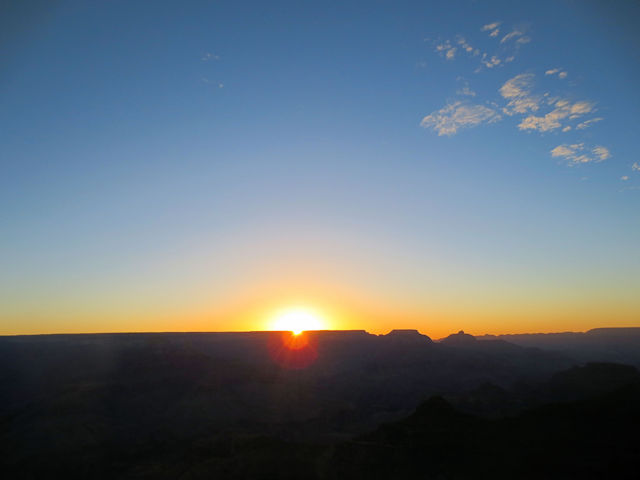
pixel 298 320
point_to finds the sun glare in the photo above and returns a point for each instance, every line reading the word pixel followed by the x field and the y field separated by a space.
pixel 298 320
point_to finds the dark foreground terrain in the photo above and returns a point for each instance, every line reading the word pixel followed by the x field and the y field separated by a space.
pixel 325 405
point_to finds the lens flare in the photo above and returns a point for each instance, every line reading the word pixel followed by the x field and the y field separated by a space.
pixel 293 352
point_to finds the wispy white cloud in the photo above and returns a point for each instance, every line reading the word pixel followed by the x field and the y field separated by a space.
pixel 210 56
pixel 518 93
pixel 447 50
pixel 572 153
pixel 542 124
pixel 635 167
pixel 579 109
pixel 588 123
pixel 576 154
pixel 624 178
pixel 537 110
pixel 466 46
pixel 211 82
pixel 566 150
pixel 557 71
pixel 520 100
pixel 506 53
pixel 552 120
pixel 491 26
pixel 517 34
pixel 601 152
pixel 458 115
pixel 466 91
pixel 490 62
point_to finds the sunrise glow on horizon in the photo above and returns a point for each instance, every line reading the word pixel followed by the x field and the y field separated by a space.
pixel 426 165
pixel 298 320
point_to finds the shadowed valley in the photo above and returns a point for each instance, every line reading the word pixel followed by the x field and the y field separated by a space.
pixel 335 404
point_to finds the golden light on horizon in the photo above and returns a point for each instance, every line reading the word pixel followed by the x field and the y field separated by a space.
pixel 297 320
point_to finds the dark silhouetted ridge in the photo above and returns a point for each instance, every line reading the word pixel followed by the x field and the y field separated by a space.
pixel 225 405
pixel 591 379
pixel 409 335
pixel 459 339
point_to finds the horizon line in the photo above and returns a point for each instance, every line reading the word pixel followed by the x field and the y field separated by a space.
pixel 304 331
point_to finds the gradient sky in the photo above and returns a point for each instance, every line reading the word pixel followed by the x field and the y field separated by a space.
pixel 432 165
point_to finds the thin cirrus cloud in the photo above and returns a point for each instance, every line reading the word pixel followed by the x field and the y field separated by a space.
pixel 466 91
pixel 447 50
pixel 507 47
pixel 520 100
pixel 518 91
pixel 563 111
pixel 490 61
pixel 635 167
pixel 516 35
pixel 207 57
pixel 576 153
pixel 492 28
pixel 601 152
pixel 536 110
pixel 588 123
pixel 459 115
pixel 556 71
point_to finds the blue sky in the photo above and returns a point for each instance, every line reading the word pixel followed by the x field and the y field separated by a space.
pixel 394 163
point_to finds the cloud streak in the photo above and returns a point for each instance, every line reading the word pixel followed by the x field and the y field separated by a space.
pixel 534 109
pixel 517 92
pixel 507 47
pixel 588 123
pixel 466 91
pixel 447 50
pixel 209 57
pixel 458 115
pixel 520 100
pixel 556 71
pixel 492 28
pixel 516 34
pixel 576 153
pixel 552 120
